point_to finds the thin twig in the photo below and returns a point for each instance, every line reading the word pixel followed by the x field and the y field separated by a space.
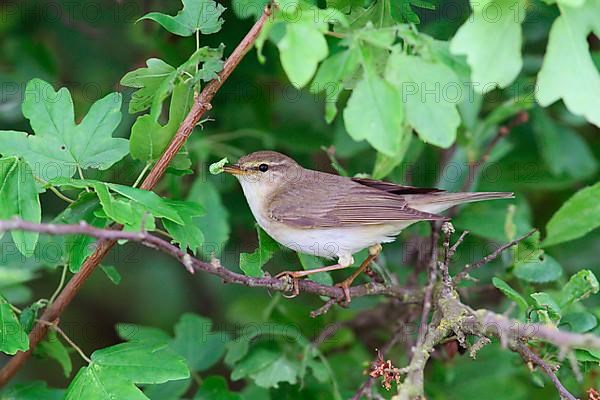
pixel 200 106
pixel 324 308
pixel 490 257
pixel 530 356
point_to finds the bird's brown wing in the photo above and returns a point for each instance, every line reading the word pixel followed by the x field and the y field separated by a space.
pixel 334 201
pixel 394 187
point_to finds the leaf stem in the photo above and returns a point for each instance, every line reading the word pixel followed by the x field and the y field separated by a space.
pixel 141 175
pixel 80 172
pixel 67 339
pixel 55 190
pixel 61 283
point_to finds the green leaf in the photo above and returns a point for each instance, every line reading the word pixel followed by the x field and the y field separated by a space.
pixel 214 224
pixel 575 218
pixel 197 344
pixel 258 359
pixel 188 234
pixel 492 33
pixel 114 371
pixel 196 15
pixel 217 167
pixel 538 268
pixel 579 322
pixel 301 50
pixel 430 92
pixel 19 198
pixel 12 336
pixel 568 56
pixel 251 263
pixel 149 138
pixel 138 333
pixel 52 347
pixel 547 302
pixel 158 206
pixel 112 273
pixel 375 112
pixel 215 388
pixel 79 247
pixel 331 76
pixel 580 286
pixel 553 139
pixel 29 315
pixel 309 262
pixel 32 391
pixel 59 146
pixel 281 370
pixel 157 80
pixel 510 293
pixel 172 390
pixel 154 83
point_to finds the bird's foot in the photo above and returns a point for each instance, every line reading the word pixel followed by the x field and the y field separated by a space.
pixel 292 278
pixel 345 286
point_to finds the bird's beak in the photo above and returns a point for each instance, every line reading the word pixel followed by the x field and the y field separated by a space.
pixel 234 169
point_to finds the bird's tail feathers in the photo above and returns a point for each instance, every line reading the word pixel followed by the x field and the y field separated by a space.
pixel 438 202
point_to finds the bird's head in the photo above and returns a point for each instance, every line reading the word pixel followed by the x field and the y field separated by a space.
pixel 264 171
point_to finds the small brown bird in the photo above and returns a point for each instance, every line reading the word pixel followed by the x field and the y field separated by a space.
pixel 333 216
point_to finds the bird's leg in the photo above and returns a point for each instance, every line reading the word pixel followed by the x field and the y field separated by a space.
pixel 345 284
pixel 296 275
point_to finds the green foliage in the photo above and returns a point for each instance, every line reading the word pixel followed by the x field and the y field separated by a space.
pixel 19 198
pixel 568 55
pixel 60 146
pixel 435 118
pixel 510 293
pixel 576 217
pixel 52 347
pixel 115 371
pixel 251 263
pixel 12 336
pixel 196 16
pixel 215 387
pixel 491 32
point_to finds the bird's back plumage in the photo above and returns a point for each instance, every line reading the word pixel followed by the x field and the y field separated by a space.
pixel 344 202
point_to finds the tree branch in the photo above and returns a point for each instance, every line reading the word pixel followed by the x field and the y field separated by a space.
pixel 490 257
pixel 193 264
pixel 452 317
pixel 529 356
pixel 200 106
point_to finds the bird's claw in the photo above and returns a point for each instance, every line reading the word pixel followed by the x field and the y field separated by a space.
pixel 292 278
pixel 345 286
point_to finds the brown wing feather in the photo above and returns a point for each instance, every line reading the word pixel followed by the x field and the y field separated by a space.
pixel 394 187
pixel 328 200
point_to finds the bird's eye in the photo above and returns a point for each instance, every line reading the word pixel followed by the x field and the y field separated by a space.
pixel 263 167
